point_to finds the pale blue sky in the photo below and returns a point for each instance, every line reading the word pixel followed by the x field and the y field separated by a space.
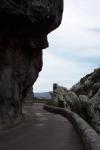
pixel 74 47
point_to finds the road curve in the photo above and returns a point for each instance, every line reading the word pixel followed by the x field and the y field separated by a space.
pixel 43 131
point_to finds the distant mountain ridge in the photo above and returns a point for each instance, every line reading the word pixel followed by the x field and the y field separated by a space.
pixel 41 95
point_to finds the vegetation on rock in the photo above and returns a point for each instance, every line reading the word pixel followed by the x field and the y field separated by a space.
pixel 83 98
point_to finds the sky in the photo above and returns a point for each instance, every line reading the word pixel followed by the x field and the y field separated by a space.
pixel 74 48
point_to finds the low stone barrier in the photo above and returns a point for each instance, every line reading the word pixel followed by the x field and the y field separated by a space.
pixel 90 138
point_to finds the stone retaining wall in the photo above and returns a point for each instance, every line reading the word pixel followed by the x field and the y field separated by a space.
pixel 90 138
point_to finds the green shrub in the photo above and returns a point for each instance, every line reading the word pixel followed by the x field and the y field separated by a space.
pixel 61 104
pixel 52 103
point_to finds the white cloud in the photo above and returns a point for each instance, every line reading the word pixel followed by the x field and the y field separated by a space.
pixel 89 53
pixel 73 41
pixel 56 69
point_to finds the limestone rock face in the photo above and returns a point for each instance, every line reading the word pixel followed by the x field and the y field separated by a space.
pixel 22 17
pixel 24 25
pixel 88 85
pixel 63 95
pixel 89 109
pixel 28 100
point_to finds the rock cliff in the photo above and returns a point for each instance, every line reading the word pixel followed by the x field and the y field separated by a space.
pixel 83 98
pixel 88 85
pixel 24 26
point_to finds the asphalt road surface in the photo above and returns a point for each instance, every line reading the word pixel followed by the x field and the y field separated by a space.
pixel 43 131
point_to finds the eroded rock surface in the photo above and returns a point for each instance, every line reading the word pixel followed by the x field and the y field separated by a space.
pixel 30 16
pixel 83 98
pixel 24 26
pixel 88 85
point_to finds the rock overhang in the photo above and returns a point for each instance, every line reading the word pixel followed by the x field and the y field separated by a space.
pixel 29 17
pixel 24 26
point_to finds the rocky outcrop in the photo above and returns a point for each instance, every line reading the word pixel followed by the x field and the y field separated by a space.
pixel 24 26
pixel 79 100
pixel 88 85
pixel 30 17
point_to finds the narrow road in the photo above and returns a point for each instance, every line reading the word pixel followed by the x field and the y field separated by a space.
pixel 45 131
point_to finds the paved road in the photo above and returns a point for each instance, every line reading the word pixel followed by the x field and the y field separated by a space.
pixel 45 131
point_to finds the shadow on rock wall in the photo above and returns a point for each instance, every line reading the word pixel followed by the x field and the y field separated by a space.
pixel 24 26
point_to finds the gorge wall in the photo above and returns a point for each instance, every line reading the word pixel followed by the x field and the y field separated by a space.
pixel 83 98
pixel 24 26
